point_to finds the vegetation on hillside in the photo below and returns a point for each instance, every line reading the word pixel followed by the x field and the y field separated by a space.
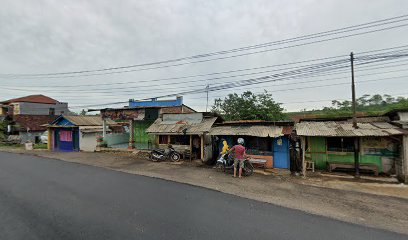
pixel 370 105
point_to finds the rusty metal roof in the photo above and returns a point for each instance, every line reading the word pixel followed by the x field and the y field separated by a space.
pixel 181 127
pixel 248 130
pixel 345 129
pixel 84 120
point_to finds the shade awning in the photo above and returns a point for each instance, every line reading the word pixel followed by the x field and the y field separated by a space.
pixel 345 129
pixel 181 127
pixel 255 131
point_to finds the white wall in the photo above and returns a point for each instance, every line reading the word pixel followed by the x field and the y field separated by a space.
pixel 29 136
pixel 403 116
pixel 87 141
pixel 39 108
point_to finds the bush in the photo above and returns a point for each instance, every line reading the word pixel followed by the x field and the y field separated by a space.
pixel 40 146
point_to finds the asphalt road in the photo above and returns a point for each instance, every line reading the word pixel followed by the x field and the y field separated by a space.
pixel 50 199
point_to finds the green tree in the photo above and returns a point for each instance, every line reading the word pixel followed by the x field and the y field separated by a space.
pixel 249 106
pixel 388 98
pixel 3 130
pixel 376 99
pixel 363 100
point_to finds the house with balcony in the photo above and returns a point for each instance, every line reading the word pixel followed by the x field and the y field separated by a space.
pixel 27 116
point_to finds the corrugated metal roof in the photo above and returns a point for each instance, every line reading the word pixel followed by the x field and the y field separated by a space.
pixel 248 130
pixel 86 120
pixel 345 129
pixel 163 127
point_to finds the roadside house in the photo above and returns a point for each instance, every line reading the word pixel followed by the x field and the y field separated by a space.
pixel 140 115
pixel 327 142
pixel 76 133
pixel 268 141
pixel 399 117
pixel 188 133
pixel 27 115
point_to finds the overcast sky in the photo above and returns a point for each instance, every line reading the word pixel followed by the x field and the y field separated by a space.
pixel 58 36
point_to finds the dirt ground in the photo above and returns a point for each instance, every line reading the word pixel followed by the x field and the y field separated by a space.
pixel 367 201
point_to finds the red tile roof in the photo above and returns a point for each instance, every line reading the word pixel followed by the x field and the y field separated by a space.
pixel 32 98
pixel 33 122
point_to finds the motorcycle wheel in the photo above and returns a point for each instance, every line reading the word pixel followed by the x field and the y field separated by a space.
pixel 175 157
pixel 220 167
pixel 248 169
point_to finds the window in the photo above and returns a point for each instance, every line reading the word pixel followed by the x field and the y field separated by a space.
pixel 52 111
pixel 338 144
pixel 258 145
pixel 163 139
pixel 180 140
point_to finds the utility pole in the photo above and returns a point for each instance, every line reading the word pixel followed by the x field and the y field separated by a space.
pixel 207 89
pixel 356 139
pixel 353 91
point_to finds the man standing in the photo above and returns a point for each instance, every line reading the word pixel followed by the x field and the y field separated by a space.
pixel 239 156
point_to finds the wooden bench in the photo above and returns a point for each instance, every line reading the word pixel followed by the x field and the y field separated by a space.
pixel 363 166
pixel 261 162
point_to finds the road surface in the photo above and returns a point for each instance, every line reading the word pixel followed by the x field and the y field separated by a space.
pixel 49 199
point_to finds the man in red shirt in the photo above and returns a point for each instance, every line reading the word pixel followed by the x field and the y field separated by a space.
pixel 239 156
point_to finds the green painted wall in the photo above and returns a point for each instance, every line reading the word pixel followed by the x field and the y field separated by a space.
pixel 140 135
pixel 317 146
pixel 371 152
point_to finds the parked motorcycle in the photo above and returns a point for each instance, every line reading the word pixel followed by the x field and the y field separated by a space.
pixel 165 154
pixel 226 162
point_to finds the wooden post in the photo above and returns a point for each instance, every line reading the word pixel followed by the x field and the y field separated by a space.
pixel 357 156
pixel 303 144
pixel 49 143
pixel 168 139
pixel 131 135
pixel 202 147
pixel 191 146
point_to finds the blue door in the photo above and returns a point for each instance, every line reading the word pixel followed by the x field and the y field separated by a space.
pixel 66 140
pixel 281 153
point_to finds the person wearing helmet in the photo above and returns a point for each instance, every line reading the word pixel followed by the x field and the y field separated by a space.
pixel 225 147
pixel 239 156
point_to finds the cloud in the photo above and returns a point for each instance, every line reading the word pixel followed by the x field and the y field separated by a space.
pixel 55 36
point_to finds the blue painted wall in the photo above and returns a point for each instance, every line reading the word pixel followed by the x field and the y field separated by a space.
pixel 157 103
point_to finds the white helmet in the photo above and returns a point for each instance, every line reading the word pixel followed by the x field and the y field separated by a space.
pixel 240 141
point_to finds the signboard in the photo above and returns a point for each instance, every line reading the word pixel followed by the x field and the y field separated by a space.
pixel 123 114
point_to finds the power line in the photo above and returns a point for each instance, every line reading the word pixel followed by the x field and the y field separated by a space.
pixel 279 90
pixel 224 87
pixel 298 70
pixel 310 74
pixel 306 37
pixel 192 81
pixel 376 58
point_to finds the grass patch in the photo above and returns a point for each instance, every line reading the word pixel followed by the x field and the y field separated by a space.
pixel 9 145
pixel 40 146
